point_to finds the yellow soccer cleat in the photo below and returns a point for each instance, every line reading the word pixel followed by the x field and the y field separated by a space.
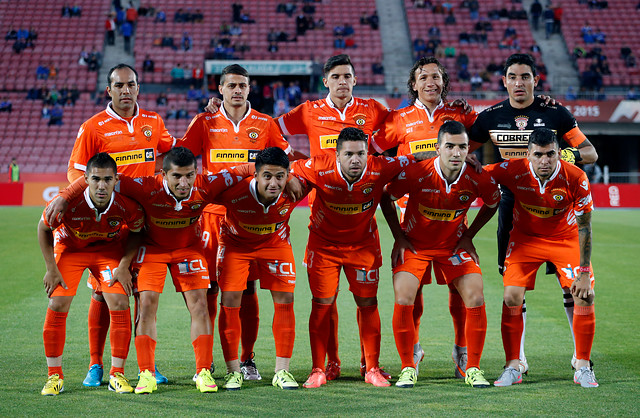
pixel 205 382
pixel 54 386
pixel 146 383
pixel 119 384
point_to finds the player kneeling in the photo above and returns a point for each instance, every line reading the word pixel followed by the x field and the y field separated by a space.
pixel 90 236
pixel 434 233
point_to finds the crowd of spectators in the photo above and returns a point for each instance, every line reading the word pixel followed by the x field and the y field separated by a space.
pixel 23 38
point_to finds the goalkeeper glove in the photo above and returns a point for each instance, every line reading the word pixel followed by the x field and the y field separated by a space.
pixel 570 155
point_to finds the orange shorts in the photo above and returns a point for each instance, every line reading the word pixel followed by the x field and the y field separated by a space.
pixel 275 266
pixel 187 266
pixel 360 265
pixel 526 254
pixel 101 264
pixel 210 225
pixel 446 266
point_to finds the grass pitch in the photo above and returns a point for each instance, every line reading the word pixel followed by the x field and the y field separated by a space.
pixel 548 390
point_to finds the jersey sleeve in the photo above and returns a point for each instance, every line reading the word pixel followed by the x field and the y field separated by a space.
pixel 400 185
pixel 275 138
pixel 468 119
pixel 215 184
pixel 83 149
pixel 583 202
pixel 305 171
pixel 134 187
pixel 193 138
pixel 499 172
pixel 167 141
pixel 488 190
pixel 479 132
pixel 135 216
pixel 380 114
pixel 293 122
pixel 387 136
pixel 391 167
pixel 56 222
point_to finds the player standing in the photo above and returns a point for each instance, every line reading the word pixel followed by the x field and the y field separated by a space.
pixel 90 236
pixel 551 223
pixel 508 125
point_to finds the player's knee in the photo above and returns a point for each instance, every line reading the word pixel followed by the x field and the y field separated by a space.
pixel 403 298
pixel 512 299
pixel 475 300
pixel 98 297
pixel 214 289
pixel 119 303
pixel 57 304
pixel 362 301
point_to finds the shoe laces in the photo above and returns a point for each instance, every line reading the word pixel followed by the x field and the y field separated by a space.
pixel 53 380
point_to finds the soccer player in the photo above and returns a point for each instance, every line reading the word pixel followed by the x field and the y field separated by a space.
pixel 434 233
pixel 90 236
pixel 551 223
pixel 415 129
pixel 508 125
pixel 174 202
pixel 344 235
pixel 133 137
pixel 254 235
pixel 234 134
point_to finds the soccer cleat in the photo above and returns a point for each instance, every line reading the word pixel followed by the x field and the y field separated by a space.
pixel 249 369
pixel 363 372
pixel 316 379
pixel 160 379
pixel 284 380
pixel 332 372
pixel 94 376
pixel 408 377
pixel 459 357
pixel 205 382
pixel 574 362
pixel 233 381
pixel 147 383
pixel 585 378
pixel 211 370
pixel 418 355
pixel 119 384
pixel 54 386
pixel 375 377
pixel 510 376
pixel 523 366
pixel 475 378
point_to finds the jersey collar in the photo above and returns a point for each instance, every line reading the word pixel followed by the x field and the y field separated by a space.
pixel 350 185
pixel 99 214
pixel 439 171
pixel 114 115
pixel 178 205
pixel 343 113
pixel 253 188
pixel 236 128
pixel 421 105
pixel 540 183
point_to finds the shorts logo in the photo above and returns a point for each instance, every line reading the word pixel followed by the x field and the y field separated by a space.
pixel 282 269
pixel 446 215
pixel 521 122
pixel 350 208
pixel 328 141
pixel 367 277
pixel 542 212
pixel 147 132
pixel 174 223
pixel 460 258
pixel 423 145
pixel 263 229
pixel 233 155
pixel 134 157
pixel 360 119
pixel 191 267
pixel 253 134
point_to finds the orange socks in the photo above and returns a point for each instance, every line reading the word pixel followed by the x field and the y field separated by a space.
pixel 584 327
pixel 459 316
pixel 212 305
pixel 332 343
pixel 284 329
pixel 418 308
pixel 120 336
pixel 511 331
pixel 319 323
pixel 98 321
pixel 146 351
pixel 370 334
pixel 229 327
pixel 203 347
pixel 54 333
pixel 403 331
pixel 475 330
pixel 249 316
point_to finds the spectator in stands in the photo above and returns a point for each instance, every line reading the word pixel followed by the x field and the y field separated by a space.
pixel 19 45
pixel 348 29
pixel 548 17
pixel 293 94
pixel 110 28
pixel 180 16
pixel 439 52
pixel 463 38
pixel 420 4
pixel 600 37
pixel 338 30
pixel 339 43
pixel 273 47
pixel 127 30
pixel 177 74
pixel 42 72
pixel 302 24
pixel 172 113
pixel 6 105
pixel 474 8
pixel 557 18
pixel 131 15
pixel 32 36
pixel 162 99
pixel 571 94
pixel 630 61
pixel 350 42
pixel 476 82
pixel 237 11
pixel 95 59
pixel 66 11
pixel 148 66
pixel 32 93
pixel 74 94
pixel 462 61
pixel 187 42
pixel 290 8
pixel 45 112
pixel 625 51
pixel 437 8
pixel 272 36
pixel 161 17
pixel 463 74
pixel 374 20
pixel 447 6
pixel 450 19
pixel 167 41
pixel 419 47
pixel 578 52
pixel 197 76
pixel 235 30
pixel 632 94
pixel 14 171
pixel 55 115
pixel 509 31
pixel 450 51
pixel 434 32
pixel 76 11
pixel 377 68
pixel 246 18
pixel 194 94
pixel 494 68
pixel 11 35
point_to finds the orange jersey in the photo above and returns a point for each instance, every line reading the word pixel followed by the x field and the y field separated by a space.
pixel 413 129
pixel 322 122
pixel 248 224
pixel 436 214
pixel 223 144
pixel 82 227
pixel 343 213
pixel 545 210
pixel 133 144
pixel 173 224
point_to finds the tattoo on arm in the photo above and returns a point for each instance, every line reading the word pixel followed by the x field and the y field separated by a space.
pixel 425 155
pixel 584 236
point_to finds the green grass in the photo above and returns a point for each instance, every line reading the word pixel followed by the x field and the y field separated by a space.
pixel 547 390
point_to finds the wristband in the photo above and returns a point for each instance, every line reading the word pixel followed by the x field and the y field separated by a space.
pixel 584 269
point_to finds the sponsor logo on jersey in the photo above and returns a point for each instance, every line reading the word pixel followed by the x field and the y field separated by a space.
pixel 259 118
pixel 108 134
pixel 328 141
pixel 253 133
pixel 350 208
pixel 82 218
pixel 174 222
pixel 233 155
pixel 423 145
pixel 147 132
pixel 217 130
pixel 245 211
pixel 360 119
pixel 538 123
pixel 508 153
pixel 239 199
pixel 134 157
pixel 521 122
pixel 263 229
pixel 102 122
pixel 418 122
pixel 447 215
pixel 328 186
pixel 323 173
pixel 542 212
pixel 326 118
pixel 93 234
pixel 144 115
pixel 504 125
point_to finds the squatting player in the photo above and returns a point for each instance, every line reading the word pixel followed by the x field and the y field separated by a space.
pixel 508 125
pixel 551 223
pixel 90 236
pixel 434 233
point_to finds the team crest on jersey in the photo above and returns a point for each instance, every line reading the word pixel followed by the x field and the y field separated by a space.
pixel 147 132
pixel 283 210
pixel 196 206
pixel 367 188
pixel 253 134
pixel 521 122
pixel 113 222
pixel 464 197
pixel 360 119
pixel 558 195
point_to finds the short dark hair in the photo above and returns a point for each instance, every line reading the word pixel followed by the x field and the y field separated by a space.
pixel 233 69
pixel 350 134
pixel 451 127
pixel 413 95
pixel 119 67
pixel 333 62
pixel 102 160
pixel 542 137
pixel 180 157
pixel 524 59
pixel 272 156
